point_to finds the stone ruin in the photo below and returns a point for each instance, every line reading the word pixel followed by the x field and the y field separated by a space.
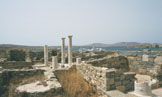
pixel 110 81
pixel 150 65
pixel 50 82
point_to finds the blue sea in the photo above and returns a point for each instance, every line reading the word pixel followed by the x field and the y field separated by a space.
pixel 125 50
pixel 121 50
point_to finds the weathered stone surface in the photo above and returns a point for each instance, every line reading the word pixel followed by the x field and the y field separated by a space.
pixel 118 83
pixel 115 93
pixel 158 60
pixel 94 75
pixel 108 79
pixel 152 67
pixel 7 77
pixel 121 88
pixel 145 58
pixel 119 62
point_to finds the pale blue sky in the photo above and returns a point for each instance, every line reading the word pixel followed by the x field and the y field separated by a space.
pixel 39 22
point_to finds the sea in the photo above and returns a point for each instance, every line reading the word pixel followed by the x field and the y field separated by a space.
pixel 120 50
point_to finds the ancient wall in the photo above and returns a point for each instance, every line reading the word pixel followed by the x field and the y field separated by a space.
pixel 94 75
pixel 151 67
pixel 108 79
pixel 138 65
pixel 7 77
pixel 117 62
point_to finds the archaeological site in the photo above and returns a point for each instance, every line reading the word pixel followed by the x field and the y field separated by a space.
pixel 61 72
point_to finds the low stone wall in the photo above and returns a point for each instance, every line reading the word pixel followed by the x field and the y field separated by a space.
pixel 6 76
pixel 16 65
pixel 117 62
pixel 141 67
pixel 123 81
pixel 51 93
pixel 94 75
pixel 159 78
pixel 108 79
pixel 152 67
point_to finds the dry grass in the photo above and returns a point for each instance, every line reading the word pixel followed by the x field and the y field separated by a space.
pixel 74 85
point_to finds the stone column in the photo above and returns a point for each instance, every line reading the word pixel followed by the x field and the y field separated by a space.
pixel 63 51
pixel 78 61
pixel 27 57
pixel 70 50
pixel 46 55
pixel 54 62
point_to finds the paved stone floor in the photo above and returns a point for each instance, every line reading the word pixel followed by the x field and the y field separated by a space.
pixel 157 92
pixel 116 93
pixel 41 86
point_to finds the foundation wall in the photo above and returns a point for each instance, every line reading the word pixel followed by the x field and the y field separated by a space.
pixel 107 79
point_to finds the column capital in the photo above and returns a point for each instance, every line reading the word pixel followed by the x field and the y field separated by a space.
pixel 63 38
pixel 70 36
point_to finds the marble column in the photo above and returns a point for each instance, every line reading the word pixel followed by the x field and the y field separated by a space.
pixel 27 57
pixel 46 55
pixel 54 62
pixel 63 51
pixel 78 61
pixel 70 50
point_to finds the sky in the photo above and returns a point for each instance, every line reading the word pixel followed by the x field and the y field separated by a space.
pixel 40 22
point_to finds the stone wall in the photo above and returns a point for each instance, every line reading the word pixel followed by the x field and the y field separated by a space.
pixel 16 65
pixel 152 67
pixel 123 81
pixel 6 76
pixel 148 67
pixel 94 75
pixel 108 79
pixel 117 62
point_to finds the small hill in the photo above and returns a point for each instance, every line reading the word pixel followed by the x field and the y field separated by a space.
pixel 125 44
pixel 114 45
pixel 97 45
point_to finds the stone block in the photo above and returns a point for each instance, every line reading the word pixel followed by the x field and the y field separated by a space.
pixel 118 83
pixel 121 88
pixel 110 74
pixel 122 77
pixel 129 87
pixel 145 58
pixel 115 93
pixel 129 75
pixel 158 60
pixel 108 87
pixel 112 87
pixel 117 78
pixel 110 81
pixel 124 82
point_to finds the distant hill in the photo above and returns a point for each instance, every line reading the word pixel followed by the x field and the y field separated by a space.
pixel 13 46
pixel 16 46
pixel 97 45
pixel 127 44
pixel 120 44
